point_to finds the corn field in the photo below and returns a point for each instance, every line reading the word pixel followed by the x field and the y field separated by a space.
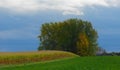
pixel 28 57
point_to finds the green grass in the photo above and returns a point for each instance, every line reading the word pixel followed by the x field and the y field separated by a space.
pixel 76 63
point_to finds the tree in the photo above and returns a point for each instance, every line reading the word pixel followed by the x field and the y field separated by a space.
pixel 73 35
pixel 101 51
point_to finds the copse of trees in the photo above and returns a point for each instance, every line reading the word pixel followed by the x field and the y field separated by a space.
pixel 73 35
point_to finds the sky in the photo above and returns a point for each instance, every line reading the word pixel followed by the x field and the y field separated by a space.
pixel 20 21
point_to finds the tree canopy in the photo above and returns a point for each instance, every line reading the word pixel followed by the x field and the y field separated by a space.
pixel 73 35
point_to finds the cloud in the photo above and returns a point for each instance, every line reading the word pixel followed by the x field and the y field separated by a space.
pixel 75 7
pixel 27 32
pixel 109 32
pixel 15 34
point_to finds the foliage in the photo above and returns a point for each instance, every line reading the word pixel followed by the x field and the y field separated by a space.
pixel 110 54
pixel 101 51
pixel 77 63
pixel 73 35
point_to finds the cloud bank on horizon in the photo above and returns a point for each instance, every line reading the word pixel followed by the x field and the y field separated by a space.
pixel 66 7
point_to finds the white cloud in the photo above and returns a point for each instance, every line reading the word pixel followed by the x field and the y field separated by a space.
pixel 16 34
pixel 27 32
pixel 65 6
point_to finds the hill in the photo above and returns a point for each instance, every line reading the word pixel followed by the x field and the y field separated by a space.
pixel 8 58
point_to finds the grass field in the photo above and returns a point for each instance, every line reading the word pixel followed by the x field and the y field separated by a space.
pixel 76 63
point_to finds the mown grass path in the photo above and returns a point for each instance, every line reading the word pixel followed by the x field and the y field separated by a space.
pixel 77 63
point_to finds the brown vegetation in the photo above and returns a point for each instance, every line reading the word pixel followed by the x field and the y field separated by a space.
pixel 27 57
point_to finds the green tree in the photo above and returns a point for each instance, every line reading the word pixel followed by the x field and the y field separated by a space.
pixel 73 35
